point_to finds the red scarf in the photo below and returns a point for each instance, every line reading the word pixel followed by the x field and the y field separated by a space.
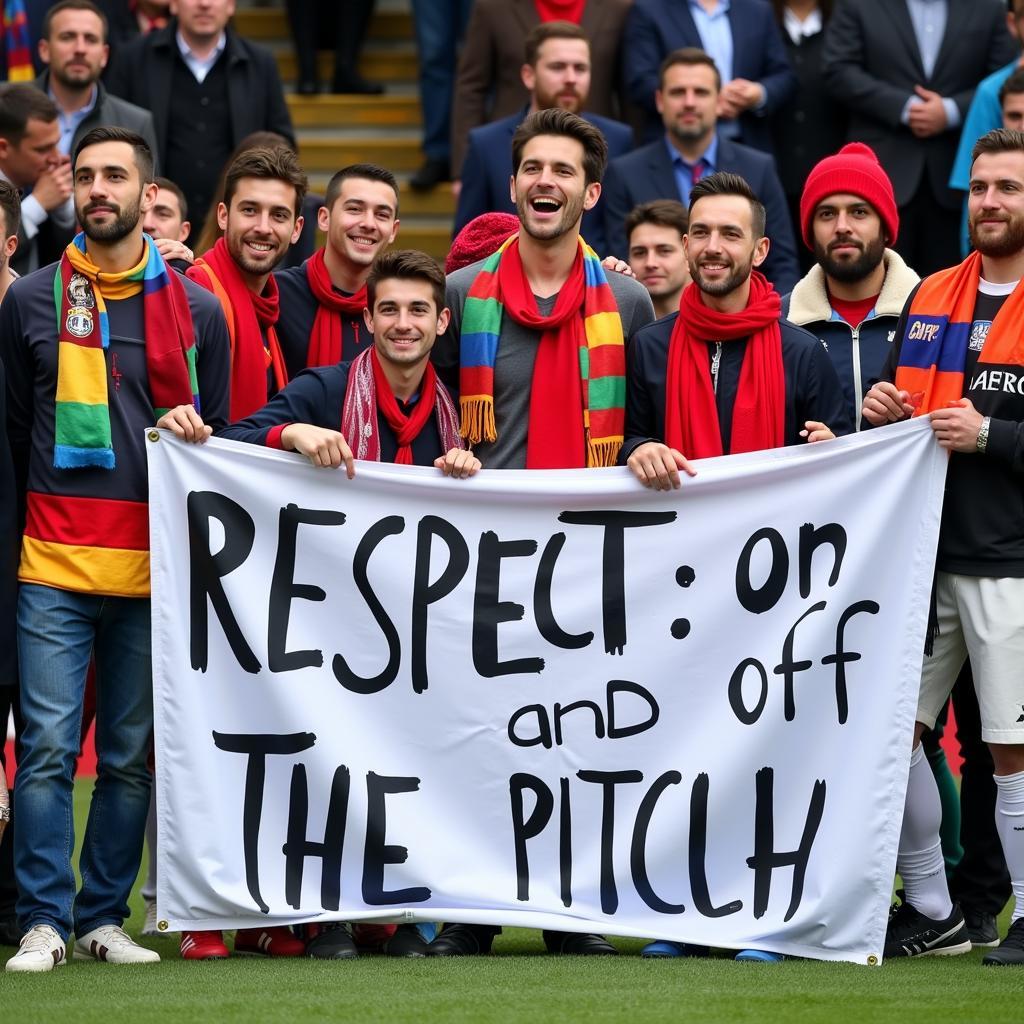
pixel 248 317
pixel 758 416
pixel 555 436
pixel 325 339
pixel 560 10
pixel 406 427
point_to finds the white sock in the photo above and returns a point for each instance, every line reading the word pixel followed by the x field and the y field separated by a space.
pixel 1010 826
pixel 919 860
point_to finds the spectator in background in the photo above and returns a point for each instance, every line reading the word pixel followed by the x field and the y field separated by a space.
pixel 743 40
pixel 129 19
pixel 489 84
pixel 345 22
pixel 557 73
pixel 655 233
pixel 208 88
pixel 691 148
pixel 30 160
pixel 984 114
pixel 811 125
pixel 440 26
pixel 907 70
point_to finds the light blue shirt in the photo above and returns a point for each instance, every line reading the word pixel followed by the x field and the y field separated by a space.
pixel 200 66
pixel 716 39
pixel 69 122
pixel 928 18
pixel 684 171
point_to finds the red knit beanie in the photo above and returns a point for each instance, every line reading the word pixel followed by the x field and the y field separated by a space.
pixel 479 238
pixel 855 170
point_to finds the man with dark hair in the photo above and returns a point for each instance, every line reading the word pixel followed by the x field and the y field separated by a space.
pixel 957 359
pixel 10 220
pixel 692 147
pixel 655 233
pixel 323 299
pixel 1011 101
pixel 537 352
pixel 128 339
pixel 557 71
pixel 30 160
pixel 263 193
pixel 208 89
pixel 167 222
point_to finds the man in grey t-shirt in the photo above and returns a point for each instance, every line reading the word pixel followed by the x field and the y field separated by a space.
pixel 512 351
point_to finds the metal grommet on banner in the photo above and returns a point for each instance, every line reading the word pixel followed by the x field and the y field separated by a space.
pixel 162 926
pixel 872 960
pixel 153 435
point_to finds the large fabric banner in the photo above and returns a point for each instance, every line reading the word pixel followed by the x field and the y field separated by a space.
pixel 546 699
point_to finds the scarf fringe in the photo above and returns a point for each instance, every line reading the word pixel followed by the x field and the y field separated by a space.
pixel 604 452
pixel 477 419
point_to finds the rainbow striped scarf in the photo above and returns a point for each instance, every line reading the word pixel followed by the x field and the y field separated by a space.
pixel 17 44
pixel 938 332
pixel 600 370
pixel 80 294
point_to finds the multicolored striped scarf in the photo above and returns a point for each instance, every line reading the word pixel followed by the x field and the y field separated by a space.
pixel 80 295
pixel 938 331
pixel 17 44
pixel 582 354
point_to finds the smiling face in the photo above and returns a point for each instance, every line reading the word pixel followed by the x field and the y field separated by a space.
pixel 361 222
pixel 550 189
pixel 75 50
pixel 260 225
pixel 405 321
pixel 110 196
pixel 721 247
pixel 849 241
pixel 995 204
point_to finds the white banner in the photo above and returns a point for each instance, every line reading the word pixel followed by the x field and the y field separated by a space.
pixel 549 699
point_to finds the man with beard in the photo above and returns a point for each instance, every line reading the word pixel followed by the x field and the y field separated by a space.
pixel 655 232
pixel 557 73
pixel 958 359
pixel 263 193
pixel 322 301
pixel 853 296
pixel 688 99
pixel 128 339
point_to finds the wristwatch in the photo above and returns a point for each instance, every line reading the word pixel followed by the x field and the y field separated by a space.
pixel 983 434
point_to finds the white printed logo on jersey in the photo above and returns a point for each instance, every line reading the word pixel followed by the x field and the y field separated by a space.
pixel 979 332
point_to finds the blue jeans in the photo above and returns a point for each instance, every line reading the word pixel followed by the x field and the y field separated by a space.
pixel 58 632
pixel 440 26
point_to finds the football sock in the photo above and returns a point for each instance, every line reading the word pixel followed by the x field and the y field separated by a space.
pixel 1010 826
pixel 919 860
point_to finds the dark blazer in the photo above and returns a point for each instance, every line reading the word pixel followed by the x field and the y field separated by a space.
pixel 142 75
pixel 488 86
pixel 9 543
pixel 488 167
pixel 872 63
pixel 654 28
pixel 647 174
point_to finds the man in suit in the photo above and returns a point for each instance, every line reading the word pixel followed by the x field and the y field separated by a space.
pixel 691 148
pixel 741 37
pixel 489 87
pixel 907 71
pixel 557 74
pixel 208 88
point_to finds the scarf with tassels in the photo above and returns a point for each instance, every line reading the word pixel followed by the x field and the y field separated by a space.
pixel 759 409
pixel 325 340
pixel 80 294
pixel 368 392
pixel 938 331
pixel 248 316
pixel 578 391
pixel 17 43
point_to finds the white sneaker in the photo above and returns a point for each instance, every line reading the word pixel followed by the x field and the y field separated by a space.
pixel 149 924
pixel 41 949
pixel 113 945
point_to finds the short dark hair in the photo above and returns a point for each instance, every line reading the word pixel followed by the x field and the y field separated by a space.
pixel 666 213
pixel 562 122
pixel 141 152
pixel 1012 86
pixel 999 140
pixel 20 103
pixel 371 172
pixel 722 183
pixel 172 186
pixel 269 163
pixel 546 30
pixel 407 265
pixel 692 57
pixel 10 207
pixel 74 5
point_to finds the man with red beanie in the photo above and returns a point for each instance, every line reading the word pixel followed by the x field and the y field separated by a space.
pixel 853 296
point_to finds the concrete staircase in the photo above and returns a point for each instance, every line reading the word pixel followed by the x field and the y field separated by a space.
pixel 334 131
